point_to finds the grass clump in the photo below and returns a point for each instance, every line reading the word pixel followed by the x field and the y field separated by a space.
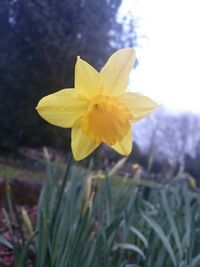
pixel 92 222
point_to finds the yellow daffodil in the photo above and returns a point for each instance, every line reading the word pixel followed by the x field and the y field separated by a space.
pixel 98 110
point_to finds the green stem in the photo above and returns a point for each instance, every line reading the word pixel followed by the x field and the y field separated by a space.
pixel 61 191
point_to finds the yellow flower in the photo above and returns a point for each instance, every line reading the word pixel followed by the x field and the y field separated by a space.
pixel 98 110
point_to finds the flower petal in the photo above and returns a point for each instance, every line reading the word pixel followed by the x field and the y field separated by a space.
pixel 87 80
pixel 139 105
pixel 116 71
pixel 62 108
pixel 124 147
pixel 82 144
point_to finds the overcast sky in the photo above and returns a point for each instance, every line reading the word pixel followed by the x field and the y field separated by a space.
pixel 169 58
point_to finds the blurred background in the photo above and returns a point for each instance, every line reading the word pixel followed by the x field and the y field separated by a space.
pixel 40 40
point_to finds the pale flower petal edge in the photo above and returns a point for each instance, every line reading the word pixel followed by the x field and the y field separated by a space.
pixel 88 82
pixel 139 105
pixel 62 108
pixel 82 144
pixel 116 71
pixel 124 147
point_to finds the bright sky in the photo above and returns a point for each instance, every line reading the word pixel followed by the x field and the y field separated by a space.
pixel 169 58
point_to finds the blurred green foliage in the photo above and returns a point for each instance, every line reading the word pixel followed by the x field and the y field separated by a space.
pixel 93 223
pixel 8 171
pixel 40 42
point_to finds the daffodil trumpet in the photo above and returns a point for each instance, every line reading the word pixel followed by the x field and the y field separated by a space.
pixel 98 109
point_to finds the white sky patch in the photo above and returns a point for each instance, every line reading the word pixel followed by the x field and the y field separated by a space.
pixel 169 58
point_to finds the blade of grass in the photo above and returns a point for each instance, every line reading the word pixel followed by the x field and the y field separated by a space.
pixel 156 227
pixel 140 235
pixel 132 247
pixel 172 224
pixel 5 242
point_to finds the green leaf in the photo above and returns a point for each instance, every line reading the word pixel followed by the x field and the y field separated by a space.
pixel 5 242
pixel 156 227
pixel 172 224
pixel 129 247
pixel 195 262
pixel 140 235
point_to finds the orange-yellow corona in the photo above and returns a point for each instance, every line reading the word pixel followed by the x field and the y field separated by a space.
pixel 98 109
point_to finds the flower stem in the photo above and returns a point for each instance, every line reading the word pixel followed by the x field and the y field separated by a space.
pixel 61 190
